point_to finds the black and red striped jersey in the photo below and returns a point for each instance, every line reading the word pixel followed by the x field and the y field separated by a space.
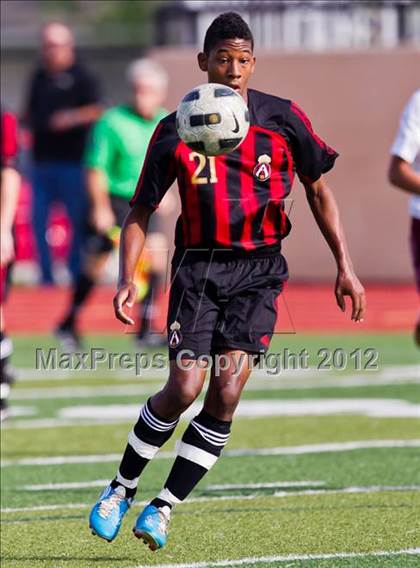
pixel 8 139
pixel 236 201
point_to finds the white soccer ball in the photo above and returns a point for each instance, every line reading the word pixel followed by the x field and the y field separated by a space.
pixel 212 119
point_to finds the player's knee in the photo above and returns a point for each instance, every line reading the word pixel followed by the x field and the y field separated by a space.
pixel 228 399
pixel 187 394
pixel 183 396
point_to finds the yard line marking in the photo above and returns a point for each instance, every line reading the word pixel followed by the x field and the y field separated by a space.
pixel 355 489
pixel 271 485
pixel 22 411
pixel 193 500
pixel 81 392
pixel 104 482
pixel 387 375
pixel 44 508
pixel 376 407
pixel 265 383
pixel 287 558
pixel 66 485
pixel 323 448
pixel 238 452
pixel 262 408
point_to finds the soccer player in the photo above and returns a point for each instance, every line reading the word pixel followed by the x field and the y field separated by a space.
pixel 114 155
pixel 10 183
pixel 404 172
pixel 227 272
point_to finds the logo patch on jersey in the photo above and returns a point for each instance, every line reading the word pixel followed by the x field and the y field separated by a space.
pixel 262 170
pixel 175 336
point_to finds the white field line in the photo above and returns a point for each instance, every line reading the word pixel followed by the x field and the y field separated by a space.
pixel 303 378
pixel 287 558
pixel 56 393
pixel 351 489
pixel 90 415
pixel 52 393
pixel 30 424
pixel 94 414
pixel 239 452
pixel 271 485
pixel 277 495
pixel 30 373
pixel 104 482
pixel 66 485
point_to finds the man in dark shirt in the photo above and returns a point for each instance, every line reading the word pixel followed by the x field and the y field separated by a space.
pixel 227 273
pixel 63 102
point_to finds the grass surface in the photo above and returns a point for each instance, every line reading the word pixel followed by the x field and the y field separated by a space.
pixel 362 501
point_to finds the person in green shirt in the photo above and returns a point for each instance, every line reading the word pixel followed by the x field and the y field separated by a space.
pixel 114 156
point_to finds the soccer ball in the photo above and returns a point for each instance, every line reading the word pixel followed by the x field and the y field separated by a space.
pixel 212 119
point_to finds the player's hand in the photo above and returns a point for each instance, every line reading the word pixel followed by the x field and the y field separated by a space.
pixel 102 219
pixel 7 251
pixel 125 298
pixel 347 284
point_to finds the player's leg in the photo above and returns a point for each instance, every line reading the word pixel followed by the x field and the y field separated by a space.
pixel 96 250
pixel 200 447
pixel 42 196
pixel 156 423
pixel 192 316
pixel 249 289
pixel 66 331
pixel 157 248
pixel 72 193
pixel 6 372
pixel 415 252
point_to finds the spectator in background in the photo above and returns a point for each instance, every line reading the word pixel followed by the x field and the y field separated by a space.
pixel 10 182
pixel 114 156
pixel 404 172
pixel 63 103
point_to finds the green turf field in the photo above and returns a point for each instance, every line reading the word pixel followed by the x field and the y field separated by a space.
pixel 322 469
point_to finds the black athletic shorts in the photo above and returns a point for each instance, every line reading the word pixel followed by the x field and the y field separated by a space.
pixel 97 243
pixel 222 303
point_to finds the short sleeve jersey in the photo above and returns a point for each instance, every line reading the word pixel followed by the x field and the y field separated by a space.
pixel 407 143
pixel 9 146
pixel 117 146
pixel 236 200
pixel 49 93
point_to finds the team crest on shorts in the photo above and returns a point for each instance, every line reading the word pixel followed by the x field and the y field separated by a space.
pixel 175 336
pixel 262 170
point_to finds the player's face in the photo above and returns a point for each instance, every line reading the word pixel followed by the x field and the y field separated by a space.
pixel 231 62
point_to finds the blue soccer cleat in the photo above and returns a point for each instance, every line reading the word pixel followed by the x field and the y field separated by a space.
pixel 152 526
pixel 108 513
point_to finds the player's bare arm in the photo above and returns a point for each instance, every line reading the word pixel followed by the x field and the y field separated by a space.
pixel 133 237
pixel 101 216
pixel 402 175
pixel 10 182
pixel 325 210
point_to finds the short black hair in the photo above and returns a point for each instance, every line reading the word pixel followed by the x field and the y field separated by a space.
pixel 229 25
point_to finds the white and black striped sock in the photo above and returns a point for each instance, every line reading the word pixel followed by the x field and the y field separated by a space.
pixel 148 435
pixel 199 449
